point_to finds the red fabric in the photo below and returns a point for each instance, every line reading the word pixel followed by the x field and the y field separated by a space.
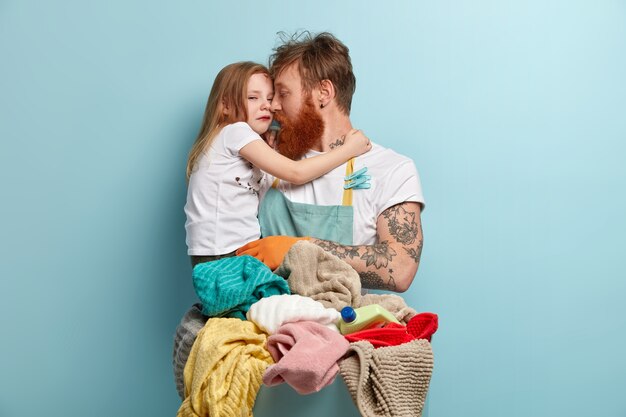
pixel 391 335
pixel 421 326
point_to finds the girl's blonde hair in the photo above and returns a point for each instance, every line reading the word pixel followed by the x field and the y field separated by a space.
pixel 226 105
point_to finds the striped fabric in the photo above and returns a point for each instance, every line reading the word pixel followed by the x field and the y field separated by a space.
pixel 229 286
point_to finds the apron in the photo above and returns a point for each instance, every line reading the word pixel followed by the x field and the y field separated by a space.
pixel 278 216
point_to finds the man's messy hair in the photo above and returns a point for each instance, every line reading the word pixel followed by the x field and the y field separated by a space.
pixel 318 57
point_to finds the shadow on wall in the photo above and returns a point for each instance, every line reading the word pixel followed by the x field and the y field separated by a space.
pixel 173 289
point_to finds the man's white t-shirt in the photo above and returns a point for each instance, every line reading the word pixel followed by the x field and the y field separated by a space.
pixel 394 180
pixel 223 195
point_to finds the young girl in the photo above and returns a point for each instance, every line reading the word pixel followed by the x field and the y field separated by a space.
pixel 225 162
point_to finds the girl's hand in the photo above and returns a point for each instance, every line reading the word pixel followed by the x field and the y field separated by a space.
pixel 270 138
pixel 357 143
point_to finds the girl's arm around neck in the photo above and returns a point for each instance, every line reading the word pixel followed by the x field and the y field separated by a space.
pixel 305 170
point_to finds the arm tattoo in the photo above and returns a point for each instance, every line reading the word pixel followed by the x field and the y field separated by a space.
pixel 402 224
pixel 374 281
pixel 378 255
pixel 382 258
pixel 338 250
pixel 338 142
pixel 415 254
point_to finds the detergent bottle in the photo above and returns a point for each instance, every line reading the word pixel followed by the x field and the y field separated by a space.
pixel 352 320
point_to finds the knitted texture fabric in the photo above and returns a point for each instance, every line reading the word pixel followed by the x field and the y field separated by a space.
pixel 272 312
pixel 225 368
pixel 306 355
pixel 229 286
pixel 315 273
pixel 185 335
pixel 421 326
pixel 390 381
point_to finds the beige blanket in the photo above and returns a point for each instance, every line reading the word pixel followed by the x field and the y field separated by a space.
pixel 389 381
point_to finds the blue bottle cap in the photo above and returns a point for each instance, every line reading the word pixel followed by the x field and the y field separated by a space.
pixel 348 314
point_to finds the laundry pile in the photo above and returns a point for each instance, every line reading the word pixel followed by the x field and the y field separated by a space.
pixel 255 326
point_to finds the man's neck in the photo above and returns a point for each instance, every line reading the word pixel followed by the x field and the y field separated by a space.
pixel 335 129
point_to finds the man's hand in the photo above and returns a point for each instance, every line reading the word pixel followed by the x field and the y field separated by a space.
pixel 270 250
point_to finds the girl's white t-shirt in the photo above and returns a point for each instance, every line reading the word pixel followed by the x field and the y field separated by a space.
pixel 223 195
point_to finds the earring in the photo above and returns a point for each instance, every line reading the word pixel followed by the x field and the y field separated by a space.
pixel 321 105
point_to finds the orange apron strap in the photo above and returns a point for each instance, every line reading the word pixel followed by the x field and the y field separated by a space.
pixel 347 194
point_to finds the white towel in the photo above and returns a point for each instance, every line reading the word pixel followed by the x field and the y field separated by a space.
pixel 270 313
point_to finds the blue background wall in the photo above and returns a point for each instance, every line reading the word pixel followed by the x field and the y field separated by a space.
pixel 514 112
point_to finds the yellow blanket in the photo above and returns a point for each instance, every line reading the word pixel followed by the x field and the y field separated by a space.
pixel 225 368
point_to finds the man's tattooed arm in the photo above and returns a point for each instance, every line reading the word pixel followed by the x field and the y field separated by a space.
pixel 391 263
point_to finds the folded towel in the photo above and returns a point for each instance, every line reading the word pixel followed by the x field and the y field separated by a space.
pixel 224 371
pixel 390 381
pixel 272 312
pixel 186 333
pixel 229 286
pixel 315 273
pixel 306 355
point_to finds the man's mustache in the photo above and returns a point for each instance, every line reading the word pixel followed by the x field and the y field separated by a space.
pixel 299 135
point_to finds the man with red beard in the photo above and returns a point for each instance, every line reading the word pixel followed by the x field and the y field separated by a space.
pixel 373 223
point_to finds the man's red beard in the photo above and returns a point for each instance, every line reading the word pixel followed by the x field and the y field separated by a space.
pixel 297 137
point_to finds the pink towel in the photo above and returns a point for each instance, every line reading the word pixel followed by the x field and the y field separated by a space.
pixel 306 355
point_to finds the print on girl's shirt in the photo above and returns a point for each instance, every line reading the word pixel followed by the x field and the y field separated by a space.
pixel 254 184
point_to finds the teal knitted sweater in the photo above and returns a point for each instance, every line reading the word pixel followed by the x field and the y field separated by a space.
pixel 229 286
